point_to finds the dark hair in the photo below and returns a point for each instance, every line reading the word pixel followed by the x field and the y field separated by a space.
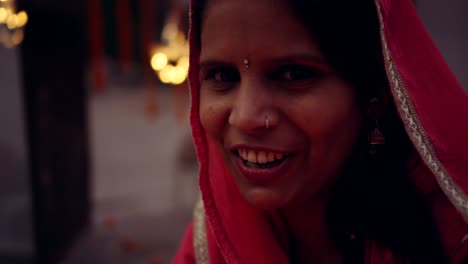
pixel 374 198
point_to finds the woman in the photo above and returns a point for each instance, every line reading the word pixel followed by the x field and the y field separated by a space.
pixel 327 132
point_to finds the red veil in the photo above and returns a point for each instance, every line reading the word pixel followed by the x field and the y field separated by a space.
pixel 434 109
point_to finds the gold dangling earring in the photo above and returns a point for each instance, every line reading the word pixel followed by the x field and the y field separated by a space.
pixel 267 122
pixel 376 137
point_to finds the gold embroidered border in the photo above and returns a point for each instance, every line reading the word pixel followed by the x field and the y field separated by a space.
pixel 200 242
pixel 459 245
pixel 416 131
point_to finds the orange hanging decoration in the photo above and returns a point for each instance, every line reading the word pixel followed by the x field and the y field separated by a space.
pixel 147 32
pixel 124 35
pixel 96 43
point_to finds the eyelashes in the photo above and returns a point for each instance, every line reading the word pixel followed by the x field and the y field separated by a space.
pixel 220 79
pixel 295 73
pixel 222 74
pixel 289 76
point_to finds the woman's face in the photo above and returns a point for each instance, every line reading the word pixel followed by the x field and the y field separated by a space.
pixel 313 116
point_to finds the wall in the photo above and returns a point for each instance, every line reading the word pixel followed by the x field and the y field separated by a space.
pixel 447 22
pixel 16 236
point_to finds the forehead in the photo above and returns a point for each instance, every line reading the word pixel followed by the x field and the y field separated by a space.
pixel 253 28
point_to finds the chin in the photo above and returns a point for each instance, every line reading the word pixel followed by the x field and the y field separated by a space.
pixel 264 198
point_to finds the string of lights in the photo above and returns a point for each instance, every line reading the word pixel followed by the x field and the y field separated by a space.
pixel 11 24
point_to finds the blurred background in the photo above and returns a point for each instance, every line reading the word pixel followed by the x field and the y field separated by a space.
pixel 96 159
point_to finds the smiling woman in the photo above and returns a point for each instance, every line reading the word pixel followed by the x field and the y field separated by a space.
pixel 281 86
pixel 317 136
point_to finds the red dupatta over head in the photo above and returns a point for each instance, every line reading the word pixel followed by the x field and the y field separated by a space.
pixel 433 107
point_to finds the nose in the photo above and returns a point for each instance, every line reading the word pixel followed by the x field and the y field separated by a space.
pixel 253 110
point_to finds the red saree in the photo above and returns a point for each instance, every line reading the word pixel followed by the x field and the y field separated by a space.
pixel 431 104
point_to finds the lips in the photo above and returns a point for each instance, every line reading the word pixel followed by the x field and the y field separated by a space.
pixel 260 165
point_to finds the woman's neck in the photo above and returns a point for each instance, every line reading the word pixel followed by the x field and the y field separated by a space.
pixel 311 240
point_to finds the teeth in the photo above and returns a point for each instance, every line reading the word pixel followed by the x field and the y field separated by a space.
pixel 271 156
pixel 260 157
pixel 245 154
pixel 279 156
pixel 252 157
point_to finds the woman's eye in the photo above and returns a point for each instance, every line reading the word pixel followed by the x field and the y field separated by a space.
pixel 223 75
pixel 296 73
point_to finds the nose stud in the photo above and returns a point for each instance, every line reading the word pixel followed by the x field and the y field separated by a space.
pixel 246 63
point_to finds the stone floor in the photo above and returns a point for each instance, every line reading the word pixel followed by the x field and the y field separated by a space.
pixel 144 185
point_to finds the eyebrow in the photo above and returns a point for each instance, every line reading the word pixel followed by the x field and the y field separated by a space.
pixel 299 57
pixel 209 63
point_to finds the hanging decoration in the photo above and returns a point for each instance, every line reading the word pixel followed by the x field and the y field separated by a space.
pixel 170 60
pixel 11 24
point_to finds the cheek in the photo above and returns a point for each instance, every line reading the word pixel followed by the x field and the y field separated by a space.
pixel 332 113
pixel 331 121
pixel 213 115
pixel 331 125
